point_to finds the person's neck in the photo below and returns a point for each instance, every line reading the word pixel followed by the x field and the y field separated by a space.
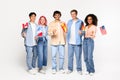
pixel 75 19
pixel 57 20
pixel 32 22
pixel 90 25
pixel 42 25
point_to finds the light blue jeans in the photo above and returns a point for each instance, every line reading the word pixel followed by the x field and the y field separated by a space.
pixel 31 56
pixel 77 49
pixel 42 53
pixel 88 47
pixel 61 50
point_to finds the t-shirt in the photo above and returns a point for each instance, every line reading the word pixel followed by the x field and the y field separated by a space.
pixel 72 34
pixel 33 25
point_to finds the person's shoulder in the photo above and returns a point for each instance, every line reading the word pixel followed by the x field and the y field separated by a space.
pixel 94 26
pixel 52 22
pixel 63 22
pixel 70 20
pixel 80 20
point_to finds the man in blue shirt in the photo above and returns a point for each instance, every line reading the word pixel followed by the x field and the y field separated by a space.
pixel 74 39
pixel 29 34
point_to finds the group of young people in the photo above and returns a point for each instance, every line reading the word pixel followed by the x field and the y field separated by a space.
pixel 36 43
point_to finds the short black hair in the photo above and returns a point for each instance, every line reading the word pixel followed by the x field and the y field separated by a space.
pixel 57 12
pixel 32 13
pixel 74 10
pixel 94 19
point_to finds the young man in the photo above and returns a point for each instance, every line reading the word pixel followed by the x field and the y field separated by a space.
pixel 29 34
pixel 74 39
pixel 58 41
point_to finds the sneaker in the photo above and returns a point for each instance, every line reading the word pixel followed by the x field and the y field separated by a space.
pixel 86 73
pixel 79 72
pixel 42 71
pixel 44 68
pixel 91 74
pixel 32 71
pixel 53 71
pixel 62 71
pixel 69 71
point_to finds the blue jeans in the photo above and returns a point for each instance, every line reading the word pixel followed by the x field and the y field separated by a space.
pixel 61 50
pixel 42 53
pixel 78 51
pixel 88 47
pixel 31 56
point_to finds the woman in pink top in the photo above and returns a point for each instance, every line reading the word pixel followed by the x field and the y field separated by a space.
pixel 88 43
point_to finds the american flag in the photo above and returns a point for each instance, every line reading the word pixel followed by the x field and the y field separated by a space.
pixel 103 30
pixel 39 32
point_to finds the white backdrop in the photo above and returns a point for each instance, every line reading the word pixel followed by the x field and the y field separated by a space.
pixel 12 51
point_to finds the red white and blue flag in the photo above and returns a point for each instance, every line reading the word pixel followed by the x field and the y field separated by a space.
pixel 103 30
pixel 39 32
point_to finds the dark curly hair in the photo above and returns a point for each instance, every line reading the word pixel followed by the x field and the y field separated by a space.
pixel 57 12
pixel 94 19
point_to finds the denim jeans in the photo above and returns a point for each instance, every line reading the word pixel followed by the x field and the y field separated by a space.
pixel 42 53
pixel 31 56
pixel 61 50
pixel 78 51
pixel 88 47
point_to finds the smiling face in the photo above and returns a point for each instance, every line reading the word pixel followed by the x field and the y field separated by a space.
pixel 33 18
pixel 57 16
pixel 42 21
pixel 89 20
pixel 73 15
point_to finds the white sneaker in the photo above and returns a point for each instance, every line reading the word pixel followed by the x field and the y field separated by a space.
pixel 62 71
pixel 32 71
pixel 69 71
pixel 79 72
pixel 53 71
pixel 42 71
pixel 91 74
pixel 44 68
pixel 86 73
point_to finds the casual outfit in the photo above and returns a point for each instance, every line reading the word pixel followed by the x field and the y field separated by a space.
pixel 42 46
pixel 30 45
pixel 58 41
pixel 74 40
pixel 88 47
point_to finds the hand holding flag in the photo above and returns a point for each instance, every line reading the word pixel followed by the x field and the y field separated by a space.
pixel 64 27
pixel 83 27
pixel 24 26
pixel 40 34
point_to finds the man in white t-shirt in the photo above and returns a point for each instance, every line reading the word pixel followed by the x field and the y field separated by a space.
pixel 29 34
pixel 74 39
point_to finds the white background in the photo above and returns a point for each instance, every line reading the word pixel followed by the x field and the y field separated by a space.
pixel 12 52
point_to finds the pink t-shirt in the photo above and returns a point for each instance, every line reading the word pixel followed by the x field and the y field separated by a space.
pixel 90 32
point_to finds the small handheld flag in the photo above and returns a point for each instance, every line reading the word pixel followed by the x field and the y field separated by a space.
pixel 39 33
pixel 103 30
pixel 64 27
pixel 83 27
pixel 24 26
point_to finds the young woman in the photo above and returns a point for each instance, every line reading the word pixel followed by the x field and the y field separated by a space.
pixel 42 44
pixel 88 43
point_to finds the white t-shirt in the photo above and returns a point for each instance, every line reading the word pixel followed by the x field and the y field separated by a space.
pixel 72 34
pixel 33 25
